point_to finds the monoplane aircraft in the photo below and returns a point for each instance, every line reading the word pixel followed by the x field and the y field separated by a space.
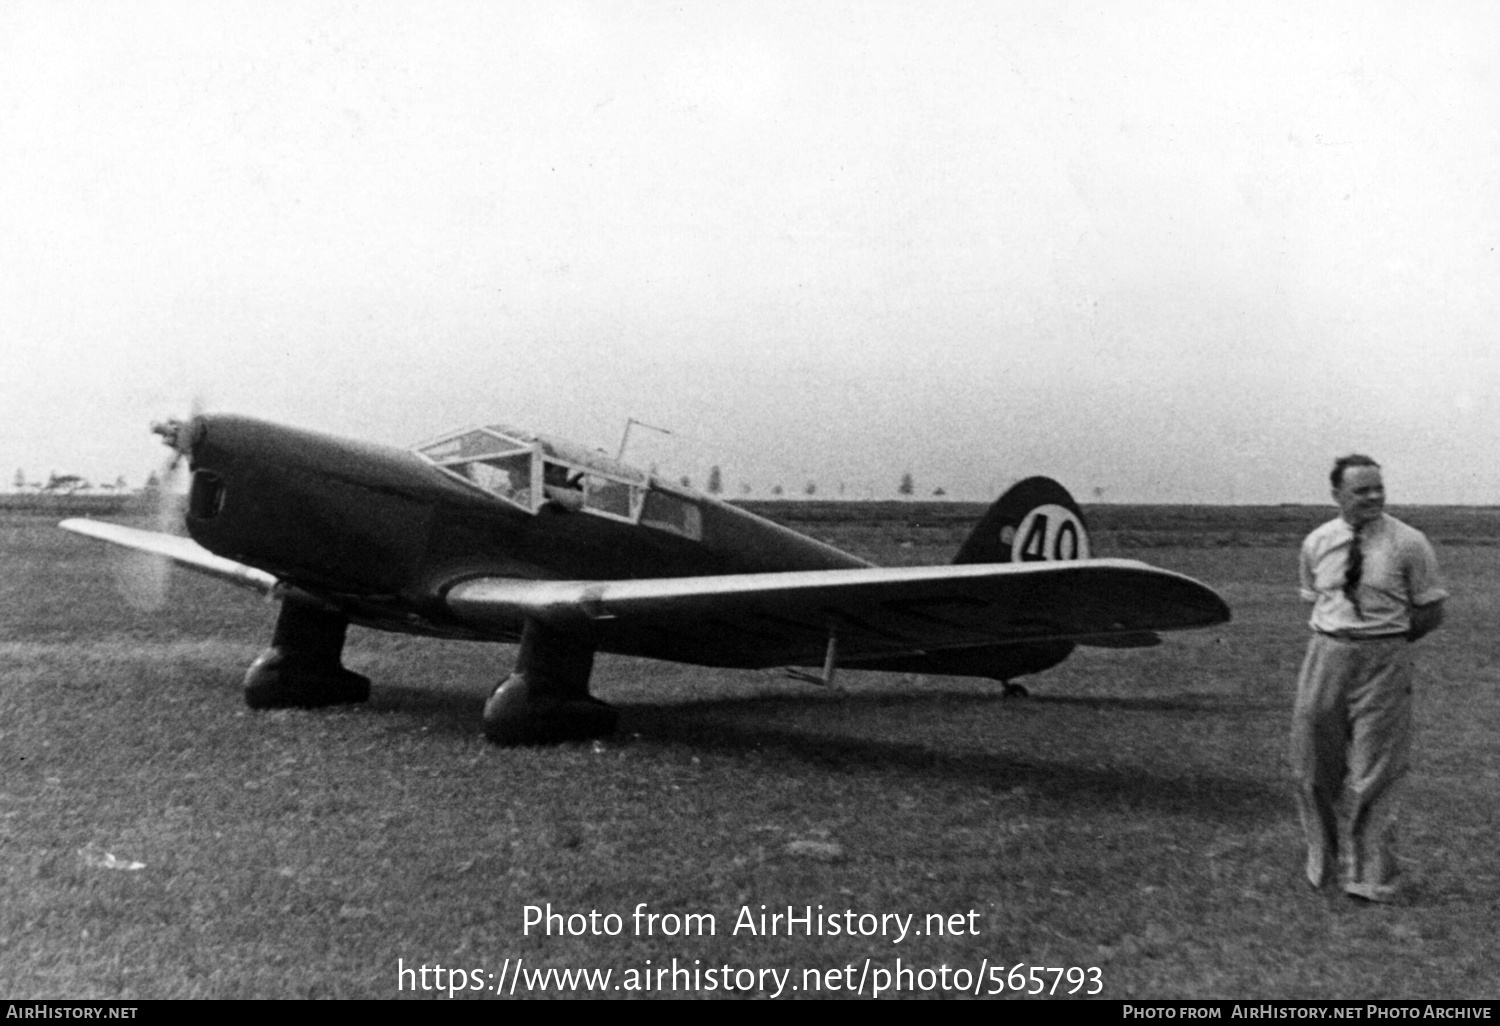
pixel 498 534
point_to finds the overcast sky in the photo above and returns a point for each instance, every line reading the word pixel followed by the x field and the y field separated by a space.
pixel 1173 252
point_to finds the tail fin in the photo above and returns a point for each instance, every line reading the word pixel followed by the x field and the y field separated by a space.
pixel 1036 520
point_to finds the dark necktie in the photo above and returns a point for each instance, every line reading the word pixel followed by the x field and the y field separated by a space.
pixel 1353 570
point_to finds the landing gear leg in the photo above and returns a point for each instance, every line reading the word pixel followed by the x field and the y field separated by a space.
pixel 303 668
pixel 546 697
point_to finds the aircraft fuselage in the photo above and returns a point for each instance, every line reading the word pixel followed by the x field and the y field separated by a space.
pixel 383 531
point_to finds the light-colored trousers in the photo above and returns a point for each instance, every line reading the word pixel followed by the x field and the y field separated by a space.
pixel 1352 725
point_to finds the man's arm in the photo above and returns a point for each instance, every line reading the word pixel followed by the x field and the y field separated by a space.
pixel 1425 620
pixel 1306 583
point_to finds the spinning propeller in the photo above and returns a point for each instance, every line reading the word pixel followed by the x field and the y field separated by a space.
pixel 143 576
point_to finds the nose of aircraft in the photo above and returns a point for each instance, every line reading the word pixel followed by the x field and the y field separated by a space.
pixel 308 507
pixel 224 441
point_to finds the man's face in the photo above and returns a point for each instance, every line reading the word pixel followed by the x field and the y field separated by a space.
pixel 1360 495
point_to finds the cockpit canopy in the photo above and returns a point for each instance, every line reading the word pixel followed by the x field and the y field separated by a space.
pixel 532 471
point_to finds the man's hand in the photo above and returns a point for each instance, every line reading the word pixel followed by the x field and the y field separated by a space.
pixel 1425 620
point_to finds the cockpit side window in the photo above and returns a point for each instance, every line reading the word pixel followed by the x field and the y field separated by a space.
pixel 534 471
pixel 608 496
pixel 668 512
pixel 509 477
pixel 575 488
pixel 562 485
pixel 503 466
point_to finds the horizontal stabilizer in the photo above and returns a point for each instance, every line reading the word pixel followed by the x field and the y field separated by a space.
pixel 183 552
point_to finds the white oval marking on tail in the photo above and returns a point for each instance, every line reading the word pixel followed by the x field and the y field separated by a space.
pixel 1049 533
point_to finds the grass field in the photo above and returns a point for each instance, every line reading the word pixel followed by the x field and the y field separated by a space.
pixel 1134 815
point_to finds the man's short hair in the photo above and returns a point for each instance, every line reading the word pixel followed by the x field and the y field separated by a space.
pixel 1343 463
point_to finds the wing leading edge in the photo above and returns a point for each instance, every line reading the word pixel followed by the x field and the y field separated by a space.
pixel 182 551
pixel 884 617
pixel 878 613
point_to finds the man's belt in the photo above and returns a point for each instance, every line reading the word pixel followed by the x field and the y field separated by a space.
pixel 1349 636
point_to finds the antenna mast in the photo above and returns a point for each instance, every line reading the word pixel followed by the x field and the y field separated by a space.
pixel 625 438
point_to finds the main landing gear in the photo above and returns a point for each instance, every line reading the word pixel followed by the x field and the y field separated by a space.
pixel 546 697
pixel 303 668
pixel 544 700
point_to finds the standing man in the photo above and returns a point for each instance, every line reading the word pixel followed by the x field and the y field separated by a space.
pixel 1374 585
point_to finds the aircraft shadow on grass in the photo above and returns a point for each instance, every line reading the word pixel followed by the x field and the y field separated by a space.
pixel 497 534
pixel 1186 702
pixel 739 726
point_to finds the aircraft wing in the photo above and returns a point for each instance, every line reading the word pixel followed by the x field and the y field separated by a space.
pixel 877 613
pixel 177 549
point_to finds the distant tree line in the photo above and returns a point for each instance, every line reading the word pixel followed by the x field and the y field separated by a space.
pixel 64 484
pixel 715 485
